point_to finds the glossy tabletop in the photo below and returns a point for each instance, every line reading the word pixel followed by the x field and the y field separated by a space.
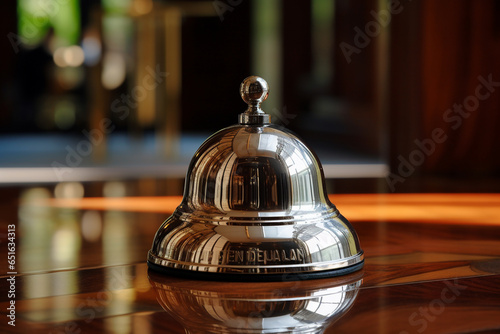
pixel 432 265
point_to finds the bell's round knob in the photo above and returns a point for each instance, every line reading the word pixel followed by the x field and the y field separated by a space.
pixel 255 208
pixel 254 90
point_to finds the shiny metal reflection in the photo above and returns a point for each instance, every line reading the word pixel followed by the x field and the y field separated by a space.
pixel 285 307
pixel 255 207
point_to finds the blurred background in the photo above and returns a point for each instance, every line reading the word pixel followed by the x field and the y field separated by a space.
pixel 104 102
pixel 400 96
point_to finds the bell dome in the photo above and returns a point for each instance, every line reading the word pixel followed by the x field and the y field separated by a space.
pixel 264 172
pixel 255 203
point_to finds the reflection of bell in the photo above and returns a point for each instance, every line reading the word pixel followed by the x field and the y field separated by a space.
pixel 255 207
pixel 278 307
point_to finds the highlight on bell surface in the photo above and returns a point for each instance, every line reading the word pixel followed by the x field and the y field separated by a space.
pixel 255 208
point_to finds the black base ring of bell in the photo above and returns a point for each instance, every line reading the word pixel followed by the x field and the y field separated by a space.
pixel 300 276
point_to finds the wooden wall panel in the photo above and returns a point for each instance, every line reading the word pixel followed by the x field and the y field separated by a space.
pixel 460 44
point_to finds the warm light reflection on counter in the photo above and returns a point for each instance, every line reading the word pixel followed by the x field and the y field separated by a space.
pixel 425 208
pixel 91 225
pixel 481 209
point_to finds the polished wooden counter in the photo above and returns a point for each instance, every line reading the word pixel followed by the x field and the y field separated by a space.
pixel 432 265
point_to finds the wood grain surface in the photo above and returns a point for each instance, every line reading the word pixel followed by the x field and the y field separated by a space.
pixel 419 277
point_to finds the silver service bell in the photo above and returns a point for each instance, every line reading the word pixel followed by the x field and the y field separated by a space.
pixel 307 307
pixel 255 208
